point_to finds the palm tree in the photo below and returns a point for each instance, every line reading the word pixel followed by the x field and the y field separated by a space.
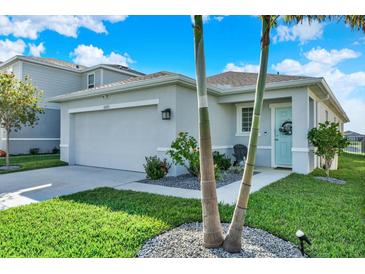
pixel 354 21
pixel 212 229
pixel 232 242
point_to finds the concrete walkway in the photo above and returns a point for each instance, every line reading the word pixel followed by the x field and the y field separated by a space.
pixel 27 187
pixel 226 194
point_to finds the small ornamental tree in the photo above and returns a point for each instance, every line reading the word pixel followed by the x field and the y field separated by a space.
pixel 328 141
pixel 184 151
pixel 18 105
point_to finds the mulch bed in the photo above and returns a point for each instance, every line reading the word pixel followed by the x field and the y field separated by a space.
pixel 188 181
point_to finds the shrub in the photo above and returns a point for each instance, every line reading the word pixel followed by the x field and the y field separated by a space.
pixel 184 151
pixel 156 168
pixel 236 169
pixel 55 150
pixel 328 141
pixel 34 151
pixel 222 161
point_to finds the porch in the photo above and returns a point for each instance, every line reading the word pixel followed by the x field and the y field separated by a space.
pixel 286 117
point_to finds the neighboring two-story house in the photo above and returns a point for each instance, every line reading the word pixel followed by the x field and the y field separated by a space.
pixel 54 77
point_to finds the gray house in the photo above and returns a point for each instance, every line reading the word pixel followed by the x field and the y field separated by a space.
pixel 116 125
pixel 54 77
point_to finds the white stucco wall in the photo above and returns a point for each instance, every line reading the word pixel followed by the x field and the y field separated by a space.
pixel 165 128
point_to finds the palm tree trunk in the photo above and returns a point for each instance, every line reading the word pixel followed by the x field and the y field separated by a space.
pixel 232 242
pixel 212 229
pixel 7 161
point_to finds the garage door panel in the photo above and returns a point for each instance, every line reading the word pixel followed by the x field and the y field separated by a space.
pixel 117 139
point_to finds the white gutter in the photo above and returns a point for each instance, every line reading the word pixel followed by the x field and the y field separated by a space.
pixel 120 87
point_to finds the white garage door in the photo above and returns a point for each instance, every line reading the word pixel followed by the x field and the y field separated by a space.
pixel 118 139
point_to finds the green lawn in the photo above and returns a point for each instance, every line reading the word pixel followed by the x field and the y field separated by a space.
pixel 28 162
pixel 333 216
pixel 110 223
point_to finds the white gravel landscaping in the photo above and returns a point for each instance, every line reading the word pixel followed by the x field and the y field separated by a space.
pixel 185 241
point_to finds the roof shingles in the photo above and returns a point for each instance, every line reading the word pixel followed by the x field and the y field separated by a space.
pixel 232 79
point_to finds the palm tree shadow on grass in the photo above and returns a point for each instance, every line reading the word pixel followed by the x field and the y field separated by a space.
pixel 171 210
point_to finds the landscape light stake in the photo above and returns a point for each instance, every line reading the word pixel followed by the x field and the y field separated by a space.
pixel 302 238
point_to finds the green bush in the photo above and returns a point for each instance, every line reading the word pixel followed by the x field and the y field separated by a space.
pixel 34 151
pixel 184 152
pixel 55 150
pixel 156 168
pixel 222 161
pixel 328 141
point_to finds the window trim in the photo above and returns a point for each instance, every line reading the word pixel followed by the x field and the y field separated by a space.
pixel 87 80
pixel 239 107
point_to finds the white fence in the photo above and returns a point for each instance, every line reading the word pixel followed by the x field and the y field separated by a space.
pixel 357 145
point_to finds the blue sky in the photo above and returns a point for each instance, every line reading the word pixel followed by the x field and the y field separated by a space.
pixel 155 43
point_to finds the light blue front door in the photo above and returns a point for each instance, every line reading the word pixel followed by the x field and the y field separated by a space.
pixel 283 136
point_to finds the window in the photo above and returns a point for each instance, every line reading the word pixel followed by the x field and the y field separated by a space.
pixel 244 119
pixel 326 115
pixel 247 114
pixel 91 80
pixel 335 119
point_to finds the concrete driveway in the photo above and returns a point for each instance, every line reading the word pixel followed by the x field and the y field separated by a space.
pixel 27 187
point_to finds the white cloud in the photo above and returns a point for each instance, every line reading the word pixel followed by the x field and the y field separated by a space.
pixel 332 57
pixel 322 63
pixel 303 32
pixel 360 41
pixel 90 55
pixel 241 67
pixel 218 18
pixel 67 25
pixel 10 48
pixel 35 50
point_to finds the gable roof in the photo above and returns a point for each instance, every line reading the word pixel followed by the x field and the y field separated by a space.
pixel 350 133
pixel 58 62
pixel 233 79
pixel 165 78
pixel 71 66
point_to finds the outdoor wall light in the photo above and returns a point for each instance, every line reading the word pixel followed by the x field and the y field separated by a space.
pixel 302 237
pixel 166 114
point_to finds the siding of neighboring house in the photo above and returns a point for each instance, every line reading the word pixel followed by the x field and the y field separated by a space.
pixel 97 78
pixel 15 67
pixel 52 81
pixel 110 76
pixel 103 76
pixel 46 133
